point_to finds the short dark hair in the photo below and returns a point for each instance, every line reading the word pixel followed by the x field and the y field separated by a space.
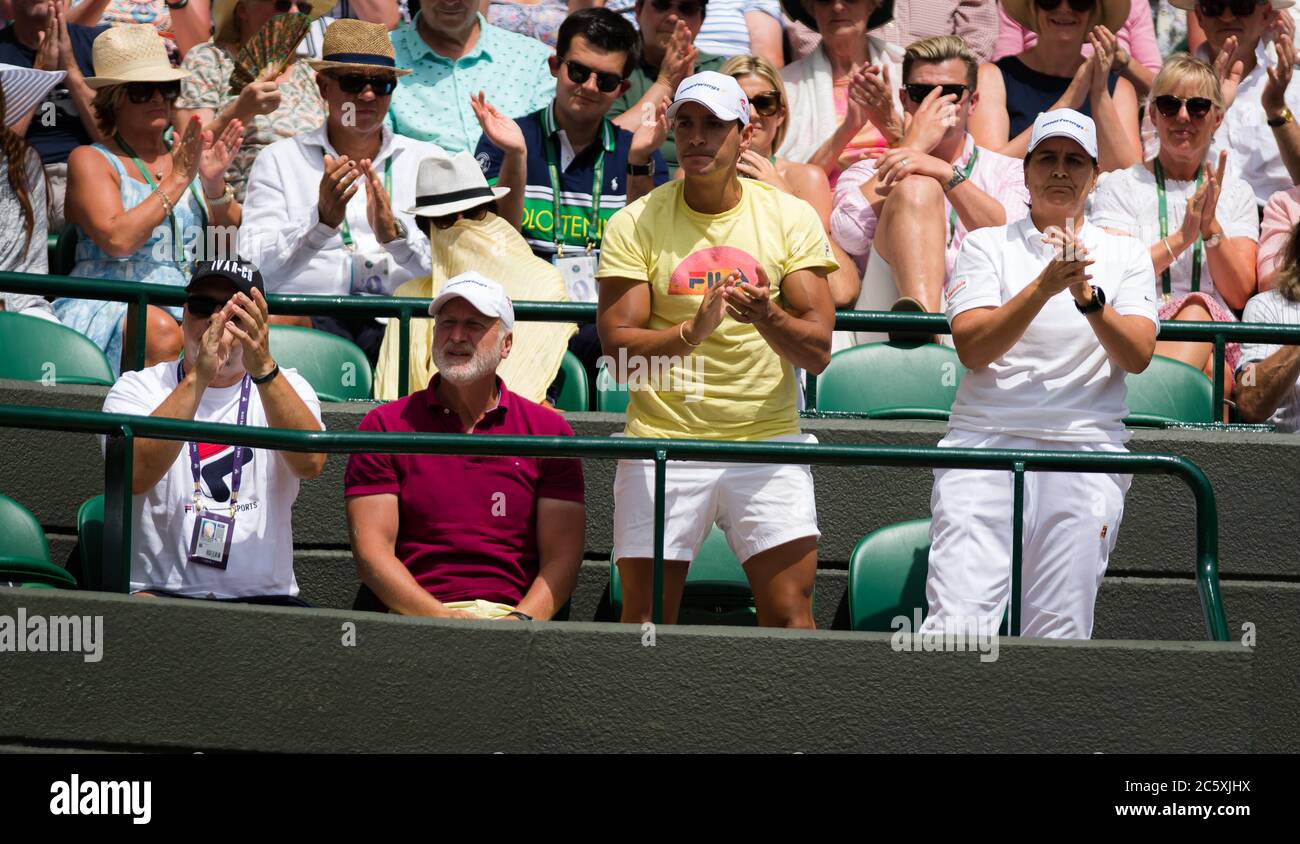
pixel 605 30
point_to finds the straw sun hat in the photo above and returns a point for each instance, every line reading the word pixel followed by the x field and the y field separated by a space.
pixel 883 14
pixel 357 45
pixel 133 53
pixel 1111 14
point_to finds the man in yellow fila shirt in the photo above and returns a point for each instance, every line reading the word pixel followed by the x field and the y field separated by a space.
pixel 725 278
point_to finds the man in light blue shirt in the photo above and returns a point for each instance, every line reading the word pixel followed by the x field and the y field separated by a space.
pixel 454 54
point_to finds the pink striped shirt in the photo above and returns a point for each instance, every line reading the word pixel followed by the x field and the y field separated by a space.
pixel 1137 36
pixel 1280 217
pixel 976 21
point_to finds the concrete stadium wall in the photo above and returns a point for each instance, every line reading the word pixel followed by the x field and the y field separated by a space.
pixel 179 675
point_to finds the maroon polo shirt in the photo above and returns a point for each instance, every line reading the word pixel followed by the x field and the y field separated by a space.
pixel 467 525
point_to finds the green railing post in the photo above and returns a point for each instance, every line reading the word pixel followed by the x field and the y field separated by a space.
pixel 810 393
pixel 404 352
pixel 115 570
pixel 1220 352
pixel 1017 544
pixel 141 326
pixel 1207 553
pixel 661 473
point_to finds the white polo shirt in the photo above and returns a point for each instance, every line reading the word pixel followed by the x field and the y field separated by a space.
pixel 1269 306
pixel 1056 382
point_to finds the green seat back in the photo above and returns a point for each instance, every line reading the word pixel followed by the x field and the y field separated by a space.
pixel 887 575
pixel 573 385
pixel 716 592
pixel 35 349
pixel 611 396
pixel 24 553
pixel 90 540
pixel 63 257
pixel 891 381
pixel 335 367
pixel 1167 391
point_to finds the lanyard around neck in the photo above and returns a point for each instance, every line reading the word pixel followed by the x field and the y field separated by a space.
pixel 344 231
pixel 1166 281
pixel 178 252
pixel 952 214
pixel 597 182
pixel 245 390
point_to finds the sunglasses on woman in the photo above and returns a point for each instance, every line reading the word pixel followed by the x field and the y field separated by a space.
pixel 918 91
pixel 1076 5
pixel 284 7
pixel 686 10
pixel 446 221
pixel 355 83
pixel 142 92
pixel 767 103
pixel 1197 107
pixel 605 82
pixel 203 306
pixel 1240 8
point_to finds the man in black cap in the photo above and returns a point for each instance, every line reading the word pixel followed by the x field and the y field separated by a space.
pixel 213 520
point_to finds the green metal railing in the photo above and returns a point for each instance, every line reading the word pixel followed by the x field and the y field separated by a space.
pixel 122 430
pixel 404 309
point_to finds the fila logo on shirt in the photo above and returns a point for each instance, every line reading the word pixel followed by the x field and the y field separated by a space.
pixel 216 466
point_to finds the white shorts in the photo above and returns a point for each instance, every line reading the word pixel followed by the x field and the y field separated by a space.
pixel 759 506
pixel 1071 523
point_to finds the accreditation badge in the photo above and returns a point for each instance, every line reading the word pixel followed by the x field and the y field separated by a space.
pixel 370 273
pixel 210 544
pixel 579 273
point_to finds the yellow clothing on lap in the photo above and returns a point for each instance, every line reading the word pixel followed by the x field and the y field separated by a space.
pixel 734 386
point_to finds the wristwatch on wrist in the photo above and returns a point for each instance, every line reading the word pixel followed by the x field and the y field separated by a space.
pixel 262 379
pixel 180 4
pixel 522 616
pixel 1098 302
pixel 1213 240
pixel 957 178
pixel 647 169
pixel 400 228
pixel 1283 117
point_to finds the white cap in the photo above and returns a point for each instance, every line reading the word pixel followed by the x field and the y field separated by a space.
pixel 715 91
pixel 1065 123
pixel 487 296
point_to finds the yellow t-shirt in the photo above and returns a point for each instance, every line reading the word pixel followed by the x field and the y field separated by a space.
pixel 734 386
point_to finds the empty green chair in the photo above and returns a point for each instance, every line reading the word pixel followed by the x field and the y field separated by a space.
pixel 36 349
pixel 887 576
pixel 335 367
pixel 24 553
pixel 90 542
pixel 891 381
pixel 716 591
pixel 573 385
pixel 611 396
pixel 1168 391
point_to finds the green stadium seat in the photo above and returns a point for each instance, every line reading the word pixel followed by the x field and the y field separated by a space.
pixel 887 575
pixel 1168 391
pixel 90 542
pixel 716 592
pixel 36 349
pixel 335 367
pixel 573 385
pixel 891 381
pixel 24 553
pixel 611 396
pixel 63 256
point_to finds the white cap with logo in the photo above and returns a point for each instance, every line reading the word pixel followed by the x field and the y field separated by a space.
pixel 719 93
pixel 487 296
pixel 1065 123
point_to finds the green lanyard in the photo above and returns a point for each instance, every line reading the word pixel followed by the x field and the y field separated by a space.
pixel 1166 283
pixel 598 181
pixel 171 214
pixel 388 186
pixel 952 214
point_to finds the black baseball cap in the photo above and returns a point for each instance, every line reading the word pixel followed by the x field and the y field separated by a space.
pixel 242 274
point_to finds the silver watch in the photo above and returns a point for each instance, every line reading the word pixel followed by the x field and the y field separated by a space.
pixel 957 178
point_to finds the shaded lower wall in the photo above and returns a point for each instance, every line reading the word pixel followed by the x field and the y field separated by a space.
pixel 187 676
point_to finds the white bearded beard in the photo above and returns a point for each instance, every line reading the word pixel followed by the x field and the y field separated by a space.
pixel 484 362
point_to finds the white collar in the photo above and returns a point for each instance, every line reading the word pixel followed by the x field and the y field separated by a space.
pixel 319 137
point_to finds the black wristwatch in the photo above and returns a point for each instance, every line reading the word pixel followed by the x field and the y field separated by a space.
pixel 180 4
pixel 522 616
pixel 647 169
pixel 275 370
pixel 1098 302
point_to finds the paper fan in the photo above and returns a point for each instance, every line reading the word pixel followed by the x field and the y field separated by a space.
pixel 273 46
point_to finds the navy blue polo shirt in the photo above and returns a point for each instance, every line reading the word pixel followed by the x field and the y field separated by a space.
pixel 55 143
pixel 576 182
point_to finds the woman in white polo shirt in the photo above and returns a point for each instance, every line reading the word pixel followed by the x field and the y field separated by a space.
pixel 1048 314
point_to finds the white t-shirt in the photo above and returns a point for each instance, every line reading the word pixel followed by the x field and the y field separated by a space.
pixel 1270 306
pixel 1127 200
pixel 1056 382
pixel 261 552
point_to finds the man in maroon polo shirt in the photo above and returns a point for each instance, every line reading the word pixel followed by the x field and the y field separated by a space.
pixel 428 529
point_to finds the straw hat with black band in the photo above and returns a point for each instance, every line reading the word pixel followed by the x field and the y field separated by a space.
pixel 132 53
pixel 883 14
pixel 1111 14
pixel 225 25
pixel 446 185
pixel 357 46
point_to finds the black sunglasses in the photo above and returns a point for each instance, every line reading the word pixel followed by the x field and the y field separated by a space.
pixel 1240 8
pixel 580 73
pixel 918 91
pixel 767 103
pixel 1076 5
pixel 446 221
pixel 355 83
pixel 686 10
pixel 1197 107
pixel 203 306
pixel 283 7
pixel 142 92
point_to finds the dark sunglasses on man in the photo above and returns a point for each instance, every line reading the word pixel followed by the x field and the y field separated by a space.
pixel 446 221
pixel 1197 107
pixel 203 306
pixel 142 92
pixel 767 103
pixel 1239 8
pixel 355 83
pixel 606 83
pixel 686 10
pixel 918 91
pixel 1076 5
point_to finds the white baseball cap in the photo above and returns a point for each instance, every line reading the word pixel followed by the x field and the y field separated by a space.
pixel 1065 123
pixel 719 93
pixel 487 296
